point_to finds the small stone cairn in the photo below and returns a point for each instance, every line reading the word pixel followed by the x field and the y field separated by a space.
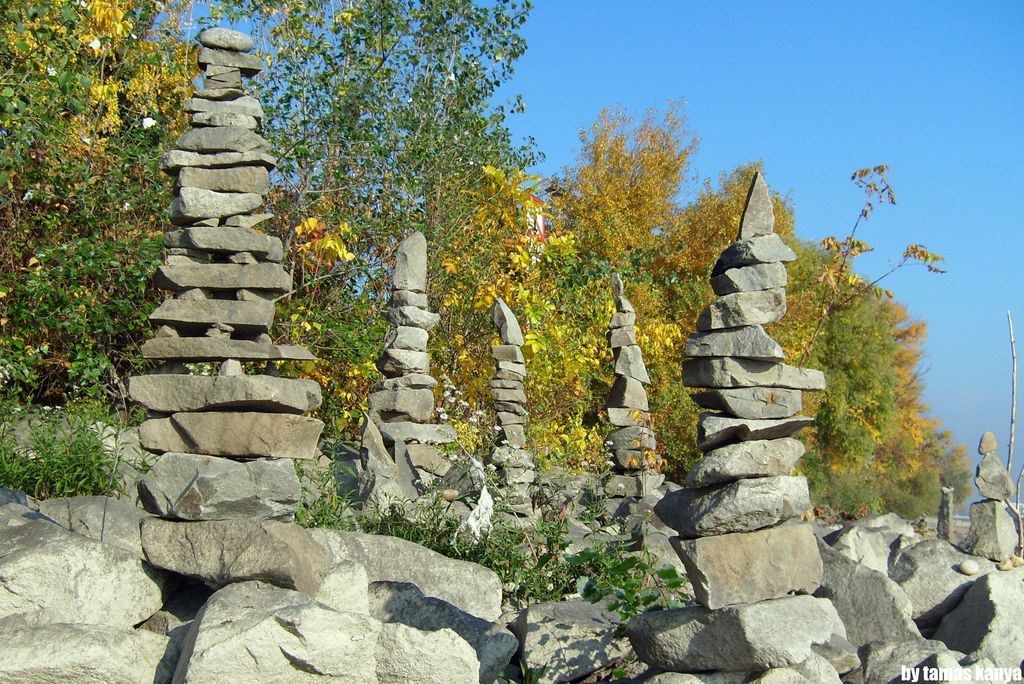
pixel 226 440
pixel 743 547
pixel 515 466
pixel 944 519
pixel 992 534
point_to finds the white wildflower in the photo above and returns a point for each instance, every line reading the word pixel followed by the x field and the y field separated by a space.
pixel 95 44
pixel 148 122
pixel 27 196
pixel 87 141
pixel 50 71
pixel 126 206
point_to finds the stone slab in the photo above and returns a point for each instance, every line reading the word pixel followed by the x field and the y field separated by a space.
pixel 752 402
pixel 750 279
pixel 227 240
pixel 241 434
pixel 743 308
pixel 724 372
pixel 749 342
pixel 197 204
pixel 757 458
pixel 253 179
pixel 220 348
pixel 266 276
pixel 252 317
pixel 627 393
pixel 714 430
pixel 250 65
pixel 764 249
pixel 173 393
pixel 173 161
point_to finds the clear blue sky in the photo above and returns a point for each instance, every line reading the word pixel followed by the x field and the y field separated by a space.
pixel 816 90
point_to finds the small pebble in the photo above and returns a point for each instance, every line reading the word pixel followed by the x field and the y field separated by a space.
pixel 969 567
pixel 1005 564
pixel 1017 561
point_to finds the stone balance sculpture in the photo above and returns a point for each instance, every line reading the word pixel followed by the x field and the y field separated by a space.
pixel 744 550
pixel 992 533
pixel 226 441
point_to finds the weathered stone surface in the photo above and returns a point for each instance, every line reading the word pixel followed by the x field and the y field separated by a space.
pixel 759 458
pixel 622 417
pixel 749 342
pixel 83 653
pixel 104 519
pixel 727 372
pixel 872 606
pixel 242 434
pixel 632 438
pixel 224 119
pixel 411 264
pixel 413 380
pixel 469 587
pixel 243 106
pixel 268 276
pixel 928 574
pixel 345 588
pixel 256 632
pixel 71 578
pixel 752 637
pixel 196 204
pixel 508 370
pixel 629 362
pixel 507 324
pixel 746 567
pixel 621 337
pixel 743 308
pixel 988 444
pixel 887 661
pixel 993 479
pixel 385 478
pixel 173 161
pixel 225 39
pixel 249 179
pixel 872 541
pixel 194 487
pixel 412 316
pixel 570 639
pixel 218 349
pixel 409 298
pixel 172 393
pixel 404 603
pixel 986 622
pixel 250 65
pixel 414 432
pixel 714 430
pixel 407 337
pixel 227 240
pixel 758 215
pixel 512 395
pixel 221 552
pixel 759 403
pixel 763 249
pixel 992 533
pixel 395 362
pixel 508 352
pixel 739 506
pixel 750 279
pixel 627 393
pixel 221 139
pixel 414 404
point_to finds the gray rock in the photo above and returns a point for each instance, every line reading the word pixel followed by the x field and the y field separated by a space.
pixel 221 139
pixel 571 639
pixel 992 533
pixel 629 362
pixel 242 434
pixel 46 570
pixel 101 518
pixel 750 342
pixel 739 506
pixel 411 264
pixel 886 661
pixel 407 654
pixel 224 119
pixel 759 403
pixel 746 567
pixel 402 403
pixel 227 240
pixel 407 337
pixel 225 39
pixel 507 324
pixel 622 417
pixel 412 380
pixel 758 216
pixel 397 362
pixel 221 552
pixel 266 276
pixel 196 204
pixel 14 514
pixel 83 653
pixel 386 478
pixel 928 574
pixel 404 603
pixel 874 541
pixel 759 458
pixel 12 496
pixel 412 316
pixel 620 319
pixel 632 438
pixel 172 393
pixel 993 479
pixel 219 349
pixel 944 519
pixel 763 249
pixel 627 393
pixel 514 435
pixel 750 279
pixel 508 352
pixel 729 372
pixel 988 444
pixel 247 317
pixel 249 179
pixel 872 606
pixel 345 588
pixel 753 637
pixel 173 161
pixel 250 65
pixel 469 587
pixel 414 432
pixel 714 430
pixel 242 106
pixel 986 622
pixel 509 395
pixel 194 487
pixel 743 308
pixel 409 298
pixel 621 337
pixel 507 370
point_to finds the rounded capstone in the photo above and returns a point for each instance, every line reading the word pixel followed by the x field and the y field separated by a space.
pixel 225 39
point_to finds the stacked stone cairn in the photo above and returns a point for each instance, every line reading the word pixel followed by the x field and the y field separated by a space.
pixel 226 440
pixel 751 562
pixel 514 465
pixel 400 451
pixel 992 533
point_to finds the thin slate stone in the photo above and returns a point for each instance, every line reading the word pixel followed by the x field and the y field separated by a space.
pixel 222 139
pixel 412 316
pixel 758 215
pixel 218 349
pixel 759 458
pixel 725 372
pixel 752 402
pixel 748 342
pixel 194 204
pixel 508 352
pixel 247 105
pixel 174 160
pixel 750 278
pixel 254 179
pixel 250 65
pixel 714 430
pixel 743 308
pixel 250 317
pixel 265 276
pixel 173 393
pixel 413 380
pixel 248 222
pixel 224 119
pixel 764 249
pixel 220 94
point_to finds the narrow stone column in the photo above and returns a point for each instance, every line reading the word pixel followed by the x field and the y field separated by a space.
pixel 992 534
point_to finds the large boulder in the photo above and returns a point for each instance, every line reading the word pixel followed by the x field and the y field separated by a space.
pixel 993 479
pixel 874 540
pixel 738 506
pixel 101 518
pixel 44 569
pixel 406 654
pixel 992 534
pixel 888 662
pixel 986 623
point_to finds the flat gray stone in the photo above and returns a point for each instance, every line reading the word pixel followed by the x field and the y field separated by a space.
pixel 224 119
pixel 227 240
pixel 713 372
pixel 104 519
pixel 409 298
pixel 743 308
pixel 245 106
pixel 251 317
pixel 928 573
pixel 510 395
pixel 714 430
pixel 196 204
pixel 173 161
pixel 986 622
pixel 411 264
pixel 627 393
pixel 413 380
pixel 407 337
pixel 252 179
pixel 759 458
pixel 507 324
pixel 750 279
pixel 225 39
pixel 414 432
pixel 221 139
pixel 758 215
pixel 402 403
pixel 752 402
pixel 240 434
pixel 270 277
pixel 622 417
pixel 749 342
pixel 740 506
pixel 621 319
pixel 753 637
pixel 621 337
pixel 629 362
pixel 764 249
pixel 746 567
pixel 993 479
pixel 632 438
pixel 173 393
pixel 412 316
pixel 512 353
pixel 219 348
pixel 250 65
pixel 395 362
pixel 386 477
pixel 195 487
pixel 992 533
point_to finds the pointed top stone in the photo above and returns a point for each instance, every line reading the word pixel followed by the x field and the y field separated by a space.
pixel 508 325
pixel 758 216
pixel 411 264
pixel 987 444
pixel 617 285
pixel 622 305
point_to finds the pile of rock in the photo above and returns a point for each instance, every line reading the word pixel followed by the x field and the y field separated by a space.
pixel 227 439
pixel 992 534
pixel 744 551
pixel 632 440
